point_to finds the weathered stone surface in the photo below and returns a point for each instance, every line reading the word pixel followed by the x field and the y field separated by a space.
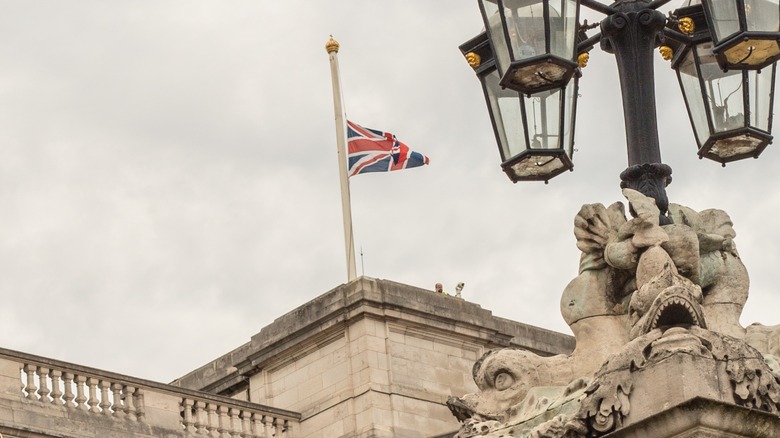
pixel 370 358
pixel 703 418
pixel 675 291
pixel 765 339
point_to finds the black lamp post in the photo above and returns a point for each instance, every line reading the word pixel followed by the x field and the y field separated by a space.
pixel 729 106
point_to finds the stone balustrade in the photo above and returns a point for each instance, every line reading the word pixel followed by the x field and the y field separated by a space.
pixel 79 391
pixel 224 420
pixel 85 401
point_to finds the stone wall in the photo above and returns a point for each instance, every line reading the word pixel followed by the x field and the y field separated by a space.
pixel 372 358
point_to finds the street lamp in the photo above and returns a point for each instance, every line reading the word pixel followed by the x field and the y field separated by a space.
pixel 535 133
pixel 744 32
pixel 730 110
pixel 534 41
pixel 729 102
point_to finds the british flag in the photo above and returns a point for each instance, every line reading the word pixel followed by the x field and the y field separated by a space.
pixel 370 150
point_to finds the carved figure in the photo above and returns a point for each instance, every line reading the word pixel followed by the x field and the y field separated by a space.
pixel 636 279
pixel 620 256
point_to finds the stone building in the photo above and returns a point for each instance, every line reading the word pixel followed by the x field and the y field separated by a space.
pixel 372 358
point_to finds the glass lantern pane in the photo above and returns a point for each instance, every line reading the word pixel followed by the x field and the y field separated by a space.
pixel 495 30
pixel 505 108
pixel 760 87
pixel 762 15
pixel 724 17
pixel 570 106
pixel 563 27
pixel 689 81
pixel 543 115
pixel 525 23
pixel 724 92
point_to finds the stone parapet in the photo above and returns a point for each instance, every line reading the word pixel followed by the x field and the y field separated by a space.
pixel 42 397
pixel 384 299
pixel 370 358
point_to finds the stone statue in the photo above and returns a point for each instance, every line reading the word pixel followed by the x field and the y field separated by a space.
pixel 645 291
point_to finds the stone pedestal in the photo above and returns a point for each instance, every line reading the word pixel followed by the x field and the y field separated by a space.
pixel 703 418
pixel 687 395
pixel 675 381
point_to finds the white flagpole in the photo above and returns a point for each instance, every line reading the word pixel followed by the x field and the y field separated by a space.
pixel 346 208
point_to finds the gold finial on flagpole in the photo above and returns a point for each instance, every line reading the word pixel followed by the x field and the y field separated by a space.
pixel 332 45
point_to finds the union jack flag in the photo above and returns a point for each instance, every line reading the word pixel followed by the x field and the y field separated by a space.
pixel 370 150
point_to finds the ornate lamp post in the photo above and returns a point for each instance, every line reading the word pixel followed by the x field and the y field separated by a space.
pixel 729 106
pixel 534 41
pixel 730 110
pixel 535 133
pixel 639 280
pixel 744 32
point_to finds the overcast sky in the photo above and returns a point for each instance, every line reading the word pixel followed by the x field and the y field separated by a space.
pixel 169 184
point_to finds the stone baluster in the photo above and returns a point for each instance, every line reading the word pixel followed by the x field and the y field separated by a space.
pixel 288 429
pixel 225 424
pixel 212 419
pixel 105 402
pixel 29 370
pixel 222 422
pixel 200 421
pixel 43 382
pixel 278 427
pixel 127 396
pixel 80 397
pixel 68 396
pixel 235 423
pixel 255 428
pixel 118 409
pixel 140 405
pixel 267 425
pixel 186 415
pixel 56 393
pixel 93 401
pixel 246 425
pixel 258 429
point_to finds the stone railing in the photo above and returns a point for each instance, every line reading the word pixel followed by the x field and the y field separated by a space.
pixel 92 394
pixel 202 417
pixel 89 400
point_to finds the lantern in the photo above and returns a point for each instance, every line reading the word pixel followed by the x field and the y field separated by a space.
pixel 731 111
pixel 534 42
pixel 535 133
pixel 745 33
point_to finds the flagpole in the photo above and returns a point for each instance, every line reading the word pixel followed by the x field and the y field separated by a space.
pixel 346 209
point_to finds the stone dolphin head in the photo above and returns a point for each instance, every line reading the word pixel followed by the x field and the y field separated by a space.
pixel 667 300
